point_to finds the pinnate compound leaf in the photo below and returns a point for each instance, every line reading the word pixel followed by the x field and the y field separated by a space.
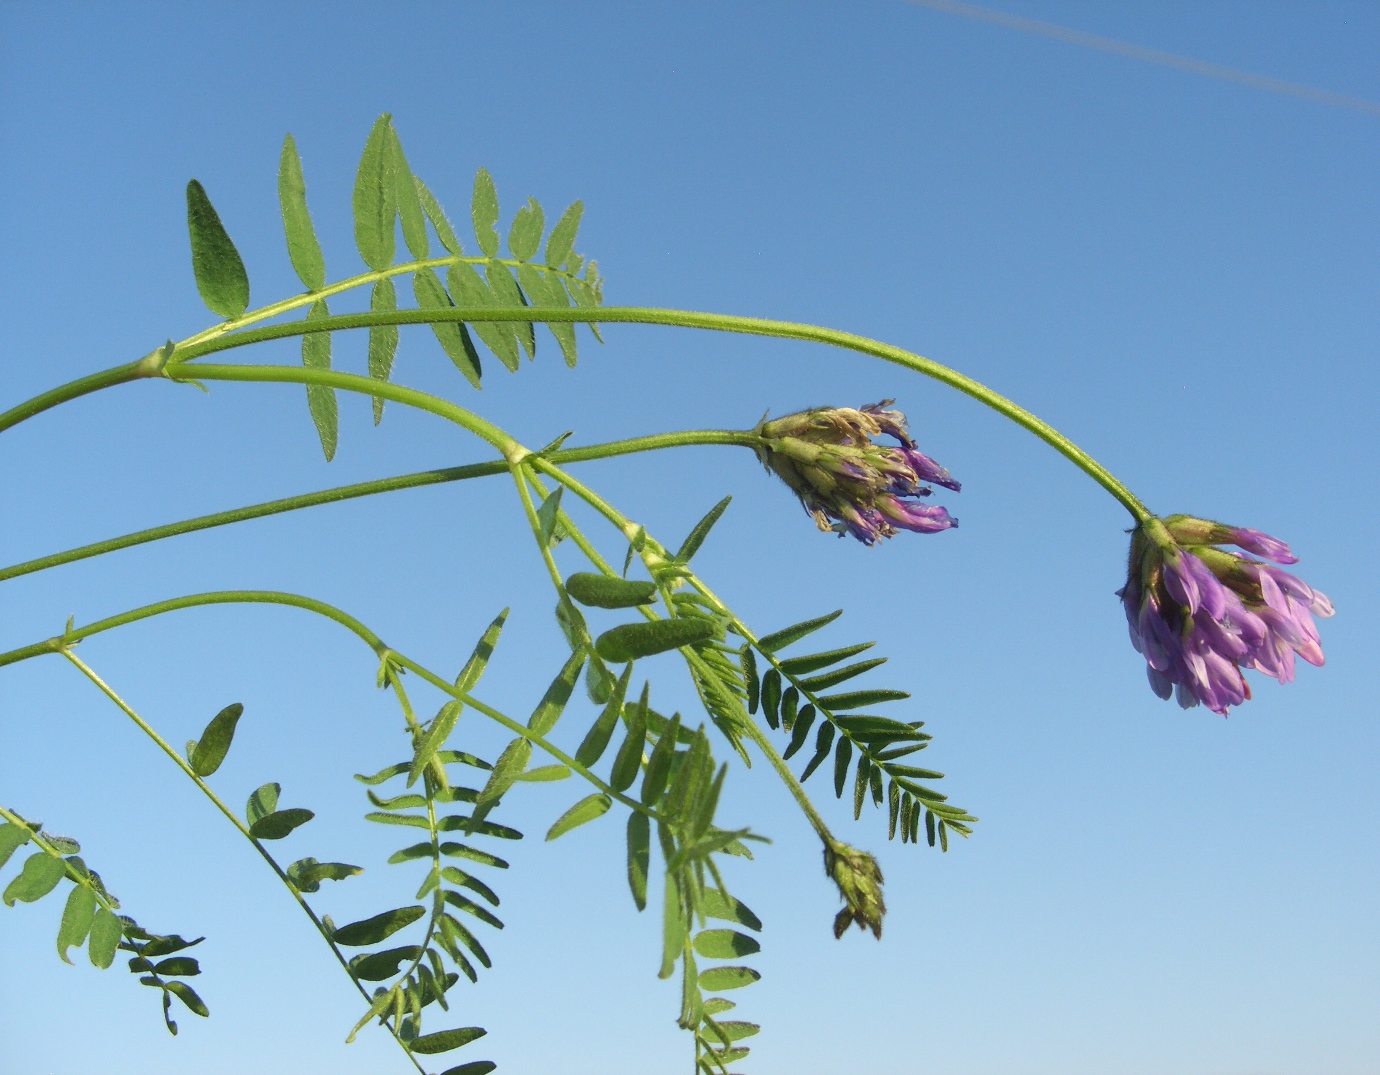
pixel 278 824
pixel 374 201
pixel 696 537
pixel 724 944
pixel 316 355
pixel 605 591
pixel 716 979
pixel 372 930
pixel 103 938
pixel 39 876
pixel 631 641
pixel 185 993
pixel 789 635
pixel 216 265
pixel 562 238
pixel 215 741
pixel 553 702
pixel 525 235
pixel 484 212
pixel 76 919
pixel 383 339
pixel 263 802
pixel 303 249
pixel 409 202
pixel 443 1041
pixel 639 840
pixel 587 809
pixel 453 337
pixel 438 218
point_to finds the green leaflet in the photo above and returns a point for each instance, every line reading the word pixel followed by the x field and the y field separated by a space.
pixel 483 650
pixel 377 966
pixel 596 740
pixel 748 659
pixel 696 537
pixel 631 641
pixel 456 932
pixel 453 337
pixel 673 928
pixel 443 1041
pixel 525 235
pixel 507 293
pixel 823 741
pixel 510 763
pixel 801 730
pixel 843 753
pixel 469 289
pixel 470 907
pixel 860 784
pixel 659 764
pixel 857 699
pixel 604 591
pixel 435 738
pixel 77 916
pixel 639 830
pixel 464 851
pixel 714 1005
pixel 544 773
pixel 184 966
pixel 788 635
pixel 316 355
pixel 103 938
pixel 716 979
pixel 307 874
pixel 262 802
pixel 771 696
pixel 553 702
pixel 484 212
pixel 214 743
pixel 409 203
pixel 724 944
pixel 372 930
pixel 477 1067
pixel 374 201
pixel 438 218
pixel 715 904
pixel 12 837
pixel 545 289
pixel 279 823
pixel 185 993
pixel 799 666
pixel 587 809
pixel 562 238
pixel 736 1029
pixel 303 249
pixel 839 675
pixel 383 339
pixel 629 757
pixel 40 874
pixel 216 265
pixel 789 701
pixel 459 877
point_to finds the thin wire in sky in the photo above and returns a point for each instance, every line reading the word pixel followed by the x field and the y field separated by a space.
pixel 1165 59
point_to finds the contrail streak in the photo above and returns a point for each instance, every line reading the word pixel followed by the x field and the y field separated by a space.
pixel 1165 59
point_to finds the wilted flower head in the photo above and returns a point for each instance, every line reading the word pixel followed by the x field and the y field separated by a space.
pixel 1200 614
pixel 850 484
pixel 860 884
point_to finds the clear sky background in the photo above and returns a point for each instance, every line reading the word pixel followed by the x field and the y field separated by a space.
pixel 1179 272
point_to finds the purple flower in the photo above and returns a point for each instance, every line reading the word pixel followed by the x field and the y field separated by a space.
pixel 1200 615
pixel 849 483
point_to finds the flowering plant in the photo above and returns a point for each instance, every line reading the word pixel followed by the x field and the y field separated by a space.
pixel 1199 614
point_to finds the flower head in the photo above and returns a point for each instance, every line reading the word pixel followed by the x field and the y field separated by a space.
pixel 849 483
pixel 859 880
pixel 1200 614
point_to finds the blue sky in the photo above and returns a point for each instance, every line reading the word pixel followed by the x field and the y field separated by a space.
pixel 1180 273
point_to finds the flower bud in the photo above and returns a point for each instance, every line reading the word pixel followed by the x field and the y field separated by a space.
pixel 859 880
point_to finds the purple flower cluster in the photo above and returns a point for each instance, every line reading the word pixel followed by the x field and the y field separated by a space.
pixel 1200 615
pixel 850 484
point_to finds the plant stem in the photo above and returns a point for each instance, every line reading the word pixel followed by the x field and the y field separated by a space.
pixel 82 386
pixel 182 764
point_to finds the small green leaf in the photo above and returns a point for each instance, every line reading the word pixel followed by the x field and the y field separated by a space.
pixel 799 666
pixel 40 875
pixel 215 741
pixel 672 926
pixel 771 696
pixel 800 730
pixel 696 537
pixel 525 235
pixel 316 355
pixel 477 1067
pixel 12 837
pixel 735 1029
pixel 434 739
pixel 544 289
pixel 823 741
pixel 839 675
pixel 545 773
pixel 748 659
pixel 106 928
pixel 443 1041
pixel 409 203
pixel 659 764
pixel 860 784
pixel 714 904
pixel 714 1005
pixel 438 218
pixel 372 930
pixel 587 809
pixel 631 641
pixel 548 515
pixel 303 249
pixel 472 853
pixel 716 979
pixel 843 753
pixel 453 337
pixel 220 276
pixel 374 201
pixel 484 212
pixel 629 757
pixel 377 966
pixel 788 635
pixel 185 993
pixel 507 293
pixel 307 874
pixel 562 237
pixel 605 591
pixel 789 701
pixel 639 830
pixel 385 774
pixel 553 702
pixel 181 966
pixel 383 339
pixel 596 740
pixel 263 802
pixel 857 699
pixel 483 650
pixel 77 916
pixel 510 763
pixel 725 944
pixel 470 290
pixel 278 824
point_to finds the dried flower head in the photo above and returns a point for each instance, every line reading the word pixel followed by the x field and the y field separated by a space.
pixel 849 483
pixel 1200 614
